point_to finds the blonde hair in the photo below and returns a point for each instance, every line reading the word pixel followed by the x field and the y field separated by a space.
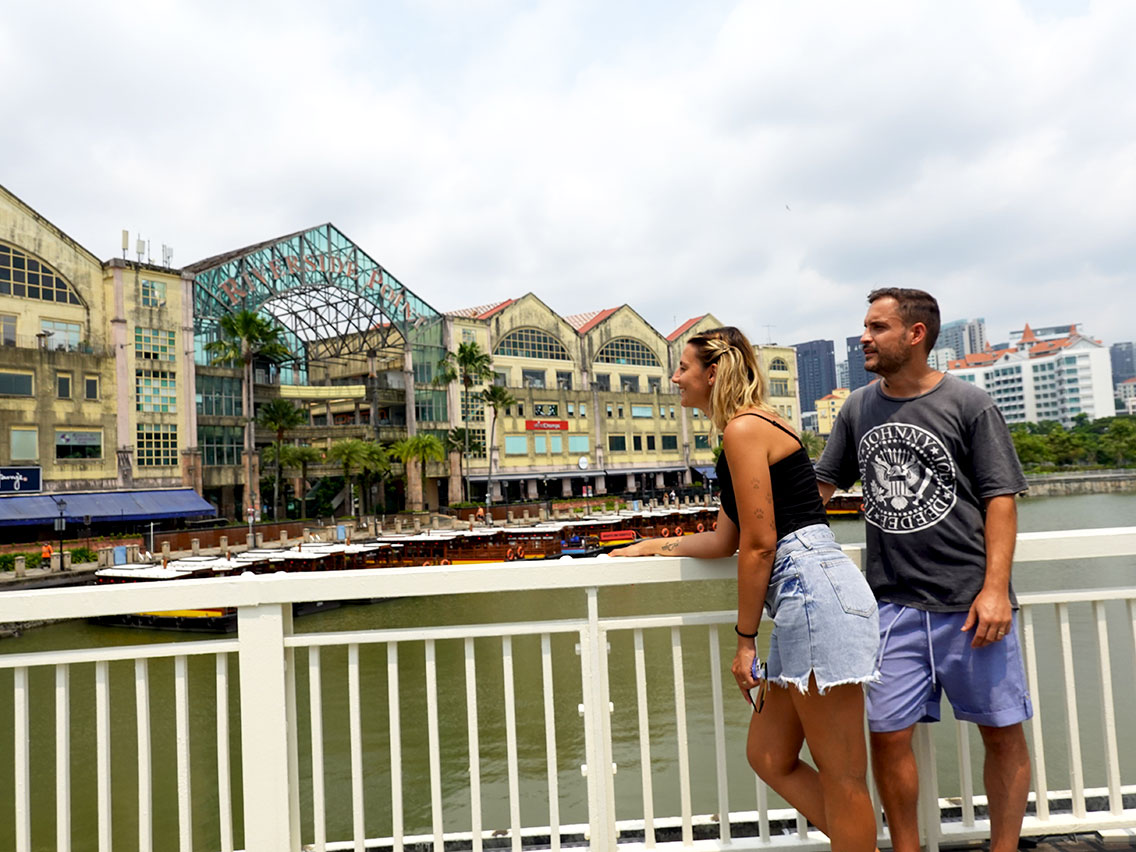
pixel 740 383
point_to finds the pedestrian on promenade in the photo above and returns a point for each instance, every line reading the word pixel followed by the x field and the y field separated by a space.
pixel 940 475
pixel 825 636
pixel 45 554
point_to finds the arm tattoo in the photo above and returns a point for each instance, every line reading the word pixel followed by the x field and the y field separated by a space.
pixel 669 547
pixel 759 514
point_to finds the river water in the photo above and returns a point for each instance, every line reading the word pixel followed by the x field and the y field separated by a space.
pixel 1035 514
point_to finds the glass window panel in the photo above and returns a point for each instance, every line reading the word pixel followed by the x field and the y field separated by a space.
pixel 516 445
pixel 626 350
pixel 540 445
pixel 578 443
pixel 555 444
pixel 24 444
pixel 617 443
pixel 78 444
pixel 16 384
pixel 531 343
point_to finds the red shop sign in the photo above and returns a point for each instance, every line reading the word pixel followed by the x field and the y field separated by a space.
pixel 546 425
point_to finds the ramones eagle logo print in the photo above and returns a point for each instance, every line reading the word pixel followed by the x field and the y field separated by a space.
pixel 909 478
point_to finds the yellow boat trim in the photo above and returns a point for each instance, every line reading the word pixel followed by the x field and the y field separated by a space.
pixel 187 613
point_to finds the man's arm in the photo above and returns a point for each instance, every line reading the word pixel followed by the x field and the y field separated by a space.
pixel 991 613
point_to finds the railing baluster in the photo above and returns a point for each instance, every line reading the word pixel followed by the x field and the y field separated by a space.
pixel 434 756
pixel 1108 712
pixel 184 782
pixel 102 753
pixel 22 759
pixel 474 743
pixel 224 768
pixel 802 827
pixel 1076 771
pixel 718 709
pixel 680 733
pixel 928 786
pixel 145 757
pixel 762 809
pixel 1041 785
pixel 966 775
pixel 550 743
pixel 315 716
pixel 395 745
pixel 355 726
pixel 511 743
pixel 63 758
pixel 644 741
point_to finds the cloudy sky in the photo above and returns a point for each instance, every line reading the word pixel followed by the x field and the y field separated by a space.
pixel 769 162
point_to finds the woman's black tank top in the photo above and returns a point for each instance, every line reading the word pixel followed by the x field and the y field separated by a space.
pixel 796 500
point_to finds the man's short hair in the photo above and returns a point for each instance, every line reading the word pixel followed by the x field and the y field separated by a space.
pixel 914 306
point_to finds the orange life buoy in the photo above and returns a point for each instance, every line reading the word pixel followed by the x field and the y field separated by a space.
pixel 520 551
pixel 678 530
pixel 713 525
pixel 426 564
pixel 701 527
pixel 666 531
pixel 509 555
pixel 444 562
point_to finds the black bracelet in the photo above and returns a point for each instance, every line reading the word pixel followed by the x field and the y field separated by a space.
pixel 745 635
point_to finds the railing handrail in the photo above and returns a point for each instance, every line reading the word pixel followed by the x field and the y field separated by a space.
pixel 256 589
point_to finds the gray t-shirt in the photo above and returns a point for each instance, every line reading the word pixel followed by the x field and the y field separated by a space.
pixel 927 463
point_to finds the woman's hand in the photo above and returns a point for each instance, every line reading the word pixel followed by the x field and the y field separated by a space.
pixel 646 547
pixel 742 667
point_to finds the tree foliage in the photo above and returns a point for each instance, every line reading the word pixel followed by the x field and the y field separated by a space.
pixel 1108 442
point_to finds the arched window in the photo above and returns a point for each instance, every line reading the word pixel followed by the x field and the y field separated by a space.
pixel 531 343
pixel 23 275
pixel 626 350
pixel 778 364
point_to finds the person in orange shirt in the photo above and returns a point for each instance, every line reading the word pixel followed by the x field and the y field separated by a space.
pixel 45 554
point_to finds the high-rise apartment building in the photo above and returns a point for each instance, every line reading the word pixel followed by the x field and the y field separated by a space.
pixel 1053 379
pixel 816 371
pixel 857 376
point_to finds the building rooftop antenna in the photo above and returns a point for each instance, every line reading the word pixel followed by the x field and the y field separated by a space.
pixel 769 334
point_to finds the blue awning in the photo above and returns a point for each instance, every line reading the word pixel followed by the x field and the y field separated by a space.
pixel 104 506
pixel 707 471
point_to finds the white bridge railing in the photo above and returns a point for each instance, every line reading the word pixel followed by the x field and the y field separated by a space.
pixel 601 723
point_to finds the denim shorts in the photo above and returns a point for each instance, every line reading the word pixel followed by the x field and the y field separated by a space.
pixel 924 654
pixel 824 614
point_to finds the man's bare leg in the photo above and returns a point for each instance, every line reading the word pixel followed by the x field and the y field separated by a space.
pixel 897 778
pixel 1006 773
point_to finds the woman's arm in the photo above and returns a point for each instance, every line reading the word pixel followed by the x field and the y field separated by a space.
pixel 715 544
pixel 744 442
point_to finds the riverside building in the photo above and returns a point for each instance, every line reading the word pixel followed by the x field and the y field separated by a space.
pixel 1055 374
pixel 111 401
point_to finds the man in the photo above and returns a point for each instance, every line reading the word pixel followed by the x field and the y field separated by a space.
pixel 939 474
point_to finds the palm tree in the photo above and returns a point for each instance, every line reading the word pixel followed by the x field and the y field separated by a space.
pixel 244 337
pixel 279 415
pixel 376 462
pixel 459 441
pixel 496 397
pixel 471 366
pixel 424 447
pixel 350 453
pixel 301 457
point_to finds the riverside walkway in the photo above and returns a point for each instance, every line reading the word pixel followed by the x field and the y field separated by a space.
pixel 520 731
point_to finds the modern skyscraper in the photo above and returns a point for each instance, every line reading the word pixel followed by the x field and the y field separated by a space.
pixel 1123 356
pixel 816 371
pixel 965 336
pixel 857 375
pixel 842 374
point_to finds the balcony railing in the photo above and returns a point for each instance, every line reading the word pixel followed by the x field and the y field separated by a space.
pixel 516 728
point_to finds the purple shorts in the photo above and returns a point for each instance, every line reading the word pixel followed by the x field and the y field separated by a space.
pixel 923 654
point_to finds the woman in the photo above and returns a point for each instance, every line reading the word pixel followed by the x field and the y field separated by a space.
pixel 825 626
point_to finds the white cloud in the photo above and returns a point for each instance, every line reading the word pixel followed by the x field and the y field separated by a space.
pixel 767 162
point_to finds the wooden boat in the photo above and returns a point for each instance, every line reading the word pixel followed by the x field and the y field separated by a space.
pixel 846 504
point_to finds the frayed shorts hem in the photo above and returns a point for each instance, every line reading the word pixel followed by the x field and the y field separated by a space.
pixel 801 684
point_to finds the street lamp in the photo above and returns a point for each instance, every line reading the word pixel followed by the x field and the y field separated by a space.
pixel 61 525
